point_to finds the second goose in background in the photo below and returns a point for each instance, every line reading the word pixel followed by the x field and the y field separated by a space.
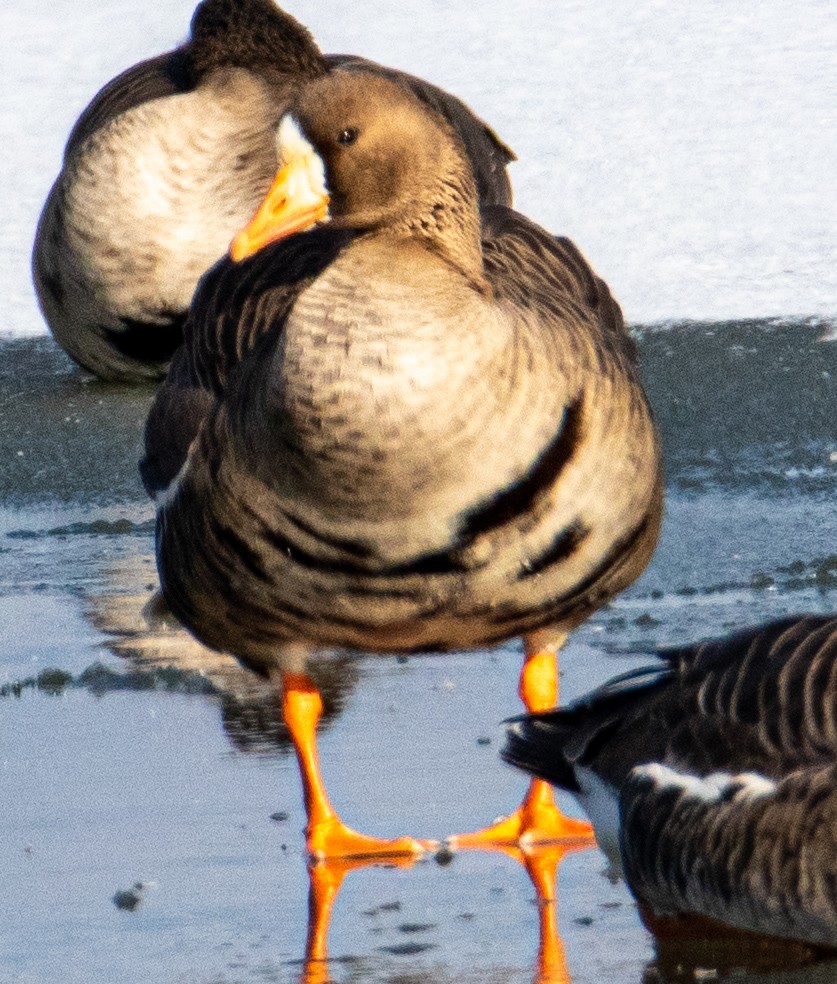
pixel 167 162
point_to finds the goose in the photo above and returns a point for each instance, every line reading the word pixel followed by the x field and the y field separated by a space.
pixel 399 422
pixel 711 779
pixel 167 162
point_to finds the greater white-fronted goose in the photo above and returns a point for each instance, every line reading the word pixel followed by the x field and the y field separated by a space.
pixel 167 162
pixel 712 780
pixel 412 427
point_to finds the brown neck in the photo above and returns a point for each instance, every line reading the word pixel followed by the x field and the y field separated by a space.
pixel 449 223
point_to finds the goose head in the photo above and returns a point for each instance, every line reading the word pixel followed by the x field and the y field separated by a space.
pixel 361 152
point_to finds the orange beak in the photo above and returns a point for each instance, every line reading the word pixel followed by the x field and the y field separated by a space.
pixel 297 201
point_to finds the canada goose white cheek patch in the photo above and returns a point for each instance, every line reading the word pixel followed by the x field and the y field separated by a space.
pixel 164 497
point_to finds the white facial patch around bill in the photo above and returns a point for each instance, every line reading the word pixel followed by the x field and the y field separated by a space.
pixel 308 181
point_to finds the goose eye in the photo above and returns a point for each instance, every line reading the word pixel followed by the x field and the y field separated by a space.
pixel 347 136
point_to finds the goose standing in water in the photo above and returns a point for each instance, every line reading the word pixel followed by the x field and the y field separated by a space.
pixel 167 162
pixel 712 780
pixel 412 426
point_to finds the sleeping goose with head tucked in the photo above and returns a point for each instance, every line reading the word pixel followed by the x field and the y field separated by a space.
pixel 711 779
pixel 399 423
pixel 167 162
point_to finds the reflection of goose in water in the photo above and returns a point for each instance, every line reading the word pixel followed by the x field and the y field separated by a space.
pixel 140 630
pixel 326 879
pixel 712 779
pixel 685 949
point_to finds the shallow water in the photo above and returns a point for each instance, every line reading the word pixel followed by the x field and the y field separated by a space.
pixel 168 769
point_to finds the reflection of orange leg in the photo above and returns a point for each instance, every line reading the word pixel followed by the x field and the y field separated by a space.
pixel 542 867
pixel 537 820
pixel 325 879
pixel 327 836
pixel 541 864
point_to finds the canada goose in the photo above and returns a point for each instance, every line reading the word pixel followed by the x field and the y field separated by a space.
pixel 711 779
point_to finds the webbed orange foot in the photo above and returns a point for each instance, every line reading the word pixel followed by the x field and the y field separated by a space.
pixel 327 836
pixel 331 838
pixel 536 821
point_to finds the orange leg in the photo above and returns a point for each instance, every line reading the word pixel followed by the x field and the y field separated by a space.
pixel 327 836
pixel 541 864
pixel 537 820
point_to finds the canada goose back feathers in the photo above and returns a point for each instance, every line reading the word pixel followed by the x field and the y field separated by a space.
pixel 721 764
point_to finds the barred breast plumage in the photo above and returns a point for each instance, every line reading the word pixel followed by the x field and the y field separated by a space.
pixel 416 426
pixel 171 158
pixel 434 470
pixel 712 778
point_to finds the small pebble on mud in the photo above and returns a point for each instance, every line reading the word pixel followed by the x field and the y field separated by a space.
pixel 443 856
pixel 129 899
pixel 383 907
pixel 646 621
pixel 415 927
